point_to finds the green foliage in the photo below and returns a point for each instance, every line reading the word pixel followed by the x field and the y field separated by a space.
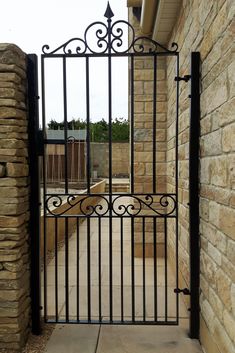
pixel 99 131
pixel 72 125
pixel 120 130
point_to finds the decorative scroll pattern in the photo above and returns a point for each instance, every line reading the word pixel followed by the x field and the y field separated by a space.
pixel 162 205
pixel 101 38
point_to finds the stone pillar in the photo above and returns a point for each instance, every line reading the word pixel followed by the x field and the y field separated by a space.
pixel 14 200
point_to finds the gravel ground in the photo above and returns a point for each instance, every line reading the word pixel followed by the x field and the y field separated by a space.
pixel 37 344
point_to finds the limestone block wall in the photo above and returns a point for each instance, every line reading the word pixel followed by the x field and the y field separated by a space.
pixel 143 136
pixel 209 27
pixel 100 158
pixel 14 200
pixel 143 125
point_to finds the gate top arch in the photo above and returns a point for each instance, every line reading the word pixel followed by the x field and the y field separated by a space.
pixel 108 39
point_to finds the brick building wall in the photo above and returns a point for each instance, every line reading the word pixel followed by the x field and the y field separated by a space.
pixel 143 137
pixel 209 27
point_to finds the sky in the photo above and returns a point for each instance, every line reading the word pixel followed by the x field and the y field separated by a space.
pixel 33 24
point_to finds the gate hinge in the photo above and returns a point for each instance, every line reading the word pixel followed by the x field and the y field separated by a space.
pixel 185 291
pixel 185 78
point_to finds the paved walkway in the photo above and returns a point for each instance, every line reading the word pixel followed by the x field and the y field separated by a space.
pixel 114 338
pixel 121 339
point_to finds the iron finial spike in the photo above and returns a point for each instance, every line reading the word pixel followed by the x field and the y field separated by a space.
pixel 108 13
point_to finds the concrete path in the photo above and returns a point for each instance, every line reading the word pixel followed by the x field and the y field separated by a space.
pixel 121 339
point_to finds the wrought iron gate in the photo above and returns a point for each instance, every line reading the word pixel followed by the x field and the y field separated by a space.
pixel 92 274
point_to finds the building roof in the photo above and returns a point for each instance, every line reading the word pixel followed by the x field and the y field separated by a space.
pixel 157 17
pixel 166 15
pixel 72 134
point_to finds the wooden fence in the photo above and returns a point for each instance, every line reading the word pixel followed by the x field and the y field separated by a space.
pixel 55 162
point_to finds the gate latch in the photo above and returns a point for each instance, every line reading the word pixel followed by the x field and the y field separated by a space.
pixel 185 78
pixel 185 291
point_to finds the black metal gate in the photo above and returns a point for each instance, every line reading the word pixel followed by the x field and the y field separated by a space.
pixel 91 271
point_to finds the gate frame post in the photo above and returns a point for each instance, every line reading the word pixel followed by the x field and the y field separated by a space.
pixel 34 223
pixel 194 218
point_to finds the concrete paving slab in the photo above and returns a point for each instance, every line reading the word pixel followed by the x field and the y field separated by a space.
pixel 73 339
pixel 146 339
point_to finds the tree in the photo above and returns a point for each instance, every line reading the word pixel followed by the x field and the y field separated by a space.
pixel 120 130
pixel 99 130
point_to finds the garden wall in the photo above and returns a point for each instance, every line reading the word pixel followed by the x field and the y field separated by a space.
pixel 100 159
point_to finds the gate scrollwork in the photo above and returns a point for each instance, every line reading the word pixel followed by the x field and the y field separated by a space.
pixel 109 38
pixel 87 205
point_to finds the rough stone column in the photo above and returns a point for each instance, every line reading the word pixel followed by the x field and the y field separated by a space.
pixel 14 200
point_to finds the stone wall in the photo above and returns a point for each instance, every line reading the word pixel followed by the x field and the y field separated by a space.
pixel 100 159
pixel 14 200
pixel 143 136
pixel 209 27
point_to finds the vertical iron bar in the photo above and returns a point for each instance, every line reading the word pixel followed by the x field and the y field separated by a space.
pixel 154 120
pixel 194 195
pixel 88 124
pixel 78 267
pixel 144 294
pixel 110 171
pixel 154 178
pixel 56 268
pixel 132 123
pixel 133 268
pixel 88 187
pixel 66 189
pixel 32 76
pixel 88 270
pixel 66 270
pixel 44 157
pixel 100 264
pixel 65 124
pixel 166 274
pixel 132 186
pixel 121 239
pixel 176 189
pixel 155 266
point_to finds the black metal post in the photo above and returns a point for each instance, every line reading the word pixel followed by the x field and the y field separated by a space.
pixel 44 183
pixel 34 146
pixel 194 194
